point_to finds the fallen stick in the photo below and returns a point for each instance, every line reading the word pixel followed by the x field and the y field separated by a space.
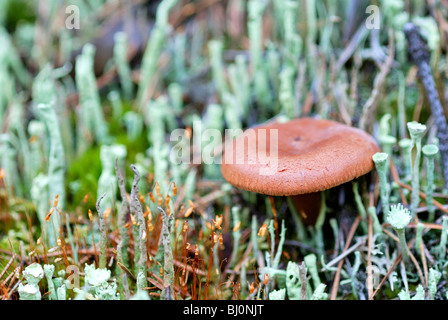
pixel 420 55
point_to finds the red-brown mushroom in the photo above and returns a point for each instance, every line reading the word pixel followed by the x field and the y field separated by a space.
pixel 311 156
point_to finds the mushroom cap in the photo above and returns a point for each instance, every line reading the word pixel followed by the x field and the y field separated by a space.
pixel 312 155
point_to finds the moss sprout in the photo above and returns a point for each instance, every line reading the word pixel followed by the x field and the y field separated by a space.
pixel 49 271
pixel 216 48
pixel 387 141
pixel 380 159
pixel 141 233
pixel 153 49
pixel 416 131
pixel 236 235
pixel 419 236
pixel 405 145
pixel 107 182
pixel 117 104
pixel 91 112
pixel 443 238
pixel 56 166
pixel 254 25
pixel 240 83
pixel 286 93
pixel 430 152
pixel 311 264
pixel 39 195
pixel 123 218
pixel 124 70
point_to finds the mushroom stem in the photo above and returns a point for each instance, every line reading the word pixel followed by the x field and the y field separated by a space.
pixel 430 151
pixel 308 206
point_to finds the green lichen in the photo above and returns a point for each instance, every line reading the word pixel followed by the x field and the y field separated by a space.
pixel 430 151
pixel 416 131
pixel 293 281
pixel 56 167
pixel 124 70
pixel 168 259
pixel 399 218
pixel 92 116
pixel 381 163
pixel 277 294
pixel 95 277
pixel 33 274
pixel 154 48
pixel 49 271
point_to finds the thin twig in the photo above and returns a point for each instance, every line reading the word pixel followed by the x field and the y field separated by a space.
pixel 344 254
pixel 423 196
pixel 392 268
pixel 7 266
pixel 386 276
pixel 425 264
pixel 337 278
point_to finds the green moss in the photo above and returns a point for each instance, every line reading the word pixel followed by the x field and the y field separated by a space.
pixel 82 175
pixel 19 11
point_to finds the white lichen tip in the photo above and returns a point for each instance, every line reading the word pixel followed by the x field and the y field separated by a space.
pixel 399 216
pixel 386 139
pixel 28 289
pixel 405 143
pixel 49 269
pixel 430 150
pixel 380 157
pixel 29 292
pixel 95 277
pixel 277 294
pixel 33 273
pixel 416 129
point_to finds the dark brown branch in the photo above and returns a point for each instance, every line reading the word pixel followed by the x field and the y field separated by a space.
pixel 420 55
